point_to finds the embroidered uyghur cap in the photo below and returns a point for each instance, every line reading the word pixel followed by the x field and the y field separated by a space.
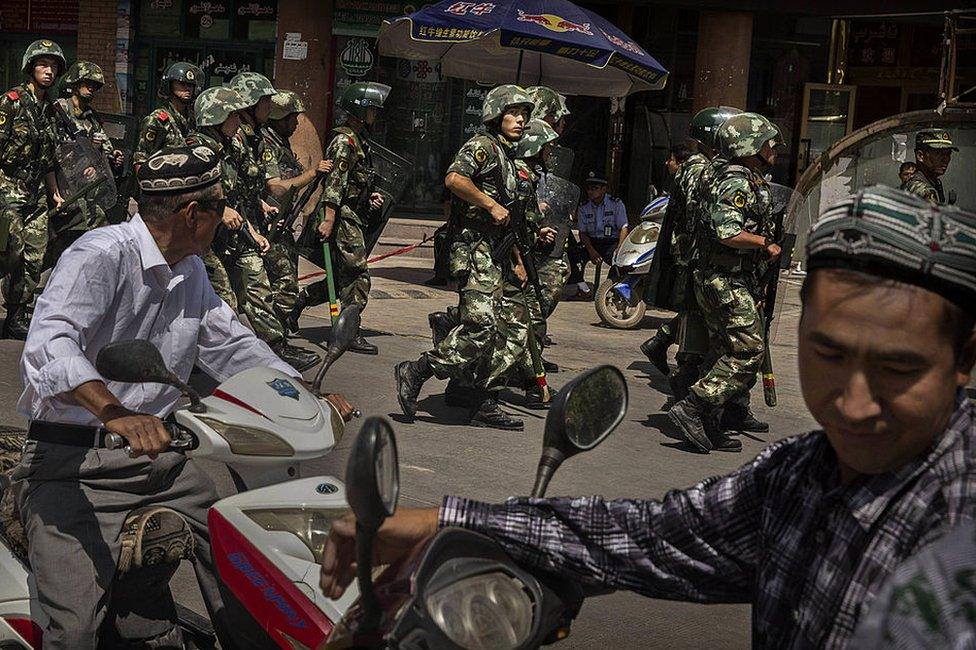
pixel 894 234
pixel 177 170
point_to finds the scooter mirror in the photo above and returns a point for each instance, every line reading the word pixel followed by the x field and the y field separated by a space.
pixel 138 361
pixel 372 489
pixel 582 415
pixel 341 336
pixel 135 361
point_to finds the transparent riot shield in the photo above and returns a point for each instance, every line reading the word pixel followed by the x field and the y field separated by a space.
pixel 390 173
pixel 558 199
pixel 559 160
pixel 785 201
pixel 83 173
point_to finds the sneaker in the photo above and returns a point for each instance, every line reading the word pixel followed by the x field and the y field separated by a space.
pixel 490 416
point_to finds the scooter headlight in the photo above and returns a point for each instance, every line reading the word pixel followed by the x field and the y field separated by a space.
pixel 492 610
pixel 311 525
pixel 249 441
pixel 645 233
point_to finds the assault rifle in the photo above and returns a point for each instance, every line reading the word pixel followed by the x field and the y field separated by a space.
pixel 291 208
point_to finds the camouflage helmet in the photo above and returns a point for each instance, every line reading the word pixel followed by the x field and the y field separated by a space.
pixel 41 48
pixel 357 97
pixel 183 72
pixel 284 103
pixel 215 105
pixel 501 98
pixel 705 123
pixel 548 103
pixel 537 135
pixel 743 135
pixel 252 86
pixel 83 71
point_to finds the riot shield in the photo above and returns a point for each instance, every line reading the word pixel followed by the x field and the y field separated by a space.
pixel 559 160
pixel 785 201
pixel 83 173
pixel 390 173
pixel 558 199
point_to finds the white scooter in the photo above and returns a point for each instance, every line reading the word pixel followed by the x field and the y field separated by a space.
pixel 263 425
pixel 620 300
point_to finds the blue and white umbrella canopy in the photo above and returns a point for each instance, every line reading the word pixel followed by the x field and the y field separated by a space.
pixel 530 42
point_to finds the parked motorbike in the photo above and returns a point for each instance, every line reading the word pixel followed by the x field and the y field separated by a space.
pixel 461 589
pixel 264 426
pixel 620 300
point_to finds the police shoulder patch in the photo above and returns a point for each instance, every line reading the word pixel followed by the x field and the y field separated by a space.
pixel 162 116
pixel 739 199
pixel 267 156
pixel 3 118
pixel 480 156
pixel 150 135
pixel 343 165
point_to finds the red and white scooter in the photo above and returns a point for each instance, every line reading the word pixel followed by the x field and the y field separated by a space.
pixel 267 539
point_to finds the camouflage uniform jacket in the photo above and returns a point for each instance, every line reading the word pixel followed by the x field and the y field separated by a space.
pixel 251 155
pixel 921 185
pixel 480 159
pixel 85 121
pixel 27 137
pixel 684 206
pixel 738 200
pixel 350 176
pixel 164 127
pixel 281 162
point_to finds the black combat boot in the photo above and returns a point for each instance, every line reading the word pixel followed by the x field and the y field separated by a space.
pixel 298 358
pixel 362 346
pixel 490 416
pixel 441 323
pixel 684 375
pixel 738 417
pixel 17 322
pixel 691 416
pixel 533 397
pixel 549 366
pixel 291 321
pixel 410 377
pixel 460 396
pixel 656 351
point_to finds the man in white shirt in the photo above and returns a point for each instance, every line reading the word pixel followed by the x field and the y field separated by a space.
pixel 602 223
pixel 138 280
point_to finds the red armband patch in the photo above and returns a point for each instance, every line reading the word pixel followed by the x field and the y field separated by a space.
pixel 524 175
pixel 350 141
pixel 13 95
pixel 163 116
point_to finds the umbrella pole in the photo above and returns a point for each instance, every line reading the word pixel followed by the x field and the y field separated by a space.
pixel 518 72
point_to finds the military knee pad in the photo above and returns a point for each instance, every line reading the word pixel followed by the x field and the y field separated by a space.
pixel 152 537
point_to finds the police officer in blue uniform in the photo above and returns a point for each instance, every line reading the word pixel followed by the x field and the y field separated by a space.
pixel 602 222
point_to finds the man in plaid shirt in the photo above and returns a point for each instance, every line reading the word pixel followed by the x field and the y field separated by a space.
pixel 809 530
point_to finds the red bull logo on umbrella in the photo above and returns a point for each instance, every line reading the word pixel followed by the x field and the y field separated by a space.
pixel 554 23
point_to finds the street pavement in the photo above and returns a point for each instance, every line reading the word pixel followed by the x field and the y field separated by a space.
pixel 440 455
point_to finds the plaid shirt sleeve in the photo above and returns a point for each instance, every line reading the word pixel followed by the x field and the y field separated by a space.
pixel 700 544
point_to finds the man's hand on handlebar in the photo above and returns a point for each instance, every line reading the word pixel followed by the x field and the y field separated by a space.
pixel 345 408
pixel 145 434
pixel 397 537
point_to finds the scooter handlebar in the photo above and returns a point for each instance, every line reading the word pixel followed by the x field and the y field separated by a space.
pixel 182 439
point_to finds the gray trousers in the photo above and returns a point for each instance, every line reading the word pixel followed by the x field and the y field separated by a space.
pixel 73 503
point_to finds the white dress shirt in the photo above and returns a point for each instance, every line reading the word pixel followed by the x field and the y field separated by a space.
pixel 113 284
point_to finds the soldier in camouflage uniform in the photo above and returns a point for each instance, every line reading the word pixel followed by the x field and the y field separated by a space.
pixel 736 254
pixel 75 115
pixel 674 290
pixel 348 202
pixel 218 119
pixel 169 125
pixel 933 151
pixel 281 260
pixel 27 139
pixel 483 177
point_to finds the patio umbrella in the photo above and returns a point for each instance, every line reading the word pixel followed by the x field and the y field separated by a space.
pixel 530 42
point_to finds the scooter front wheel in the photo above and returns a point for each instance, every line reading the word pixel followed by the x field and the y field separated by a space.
pixel 615 311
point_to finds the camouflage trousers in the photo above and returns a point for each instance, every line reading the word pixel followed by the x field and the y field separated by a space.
pixel 281 263
pixel 64 230
pixel 553 275
pixel 348 264
pixel 735 327
pixel 474 352
pixel 249 279
pixel 23 214
pixel 219 278
pixel 517 309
